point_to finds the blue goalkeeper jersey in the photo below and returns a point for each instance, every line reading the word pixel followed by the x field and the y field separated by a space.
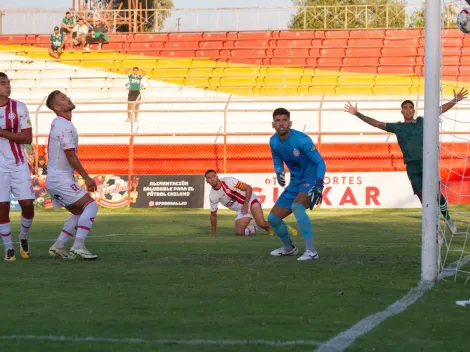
pixel 300 155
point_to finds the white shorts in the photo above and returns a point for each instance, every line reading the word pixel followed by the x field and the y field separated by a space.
pixel 239 215
pixel 17 183
pixel 65 194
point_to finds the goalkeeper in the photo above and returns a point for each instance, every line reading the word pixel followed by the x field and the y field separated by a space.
pixel 305 188
pixel 410 139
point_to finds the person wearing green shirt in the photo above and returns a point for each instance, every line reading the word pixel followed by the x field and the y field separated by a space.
pixel 66 27
pixel 57 43
pixel 133 98
pixel 410 139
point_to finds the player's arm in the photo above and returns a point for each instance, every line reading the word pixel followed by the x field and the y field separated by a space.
pixel 73 160
pixel 278 167
pixel 248 192
pixel 142 73
pixel 23 137
pixel 352 109
pixel 128 71
pixel 214 222
pixel 314 156
pixel 457 96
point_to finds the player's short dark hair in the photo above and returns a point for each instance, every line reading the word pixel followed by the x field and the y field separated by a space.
pixel 135 68
pixel 407 102
pixel 281 111
pixel 3 75
pixel 51 97
pixel 209 171
pixel 68 13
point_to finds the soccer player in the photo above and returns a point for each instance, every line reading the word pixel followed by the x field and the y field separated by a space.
pixel 15 130
pixel 410 139
pixel 135 81
pixel 237 196
pixel 307 169
pixel 57 43
pixel 65 192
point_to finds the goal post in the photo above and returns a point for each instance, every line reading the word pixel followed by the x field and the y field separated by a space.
pixel 432 98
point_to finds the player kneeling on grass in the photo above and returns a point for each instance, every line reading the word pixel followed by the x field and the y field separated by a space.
pixel 410 139
pixel 307 169
pixel 65 192
pixel 237 196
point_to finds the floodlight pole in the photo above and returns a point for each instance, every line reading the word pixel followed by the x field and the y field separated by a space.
pixel 432 85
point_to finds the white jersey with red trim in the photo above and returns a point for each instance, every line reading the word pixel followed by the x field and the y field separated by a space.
pixel 229 194
pixel 62 137
pixel 14 117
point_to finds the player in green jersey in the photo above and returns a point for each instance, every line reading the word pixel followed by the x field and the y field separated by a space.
pixel 133 98
pixel 410 139
pixel 57 43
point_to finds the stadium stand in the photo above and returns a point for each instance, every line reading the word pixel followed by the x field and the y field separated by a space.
pixel 272 63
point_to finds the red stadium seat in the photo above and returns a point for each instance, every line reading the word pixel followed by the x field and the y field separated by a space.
pixel 336 43
pixel 214 36
pixel 208 53
pixel 145 38
pixel 181 45
pixel 251 43
pixel 297 35
pixel 373 42
pixel 213 44
pixel 294 43
pixel 229 44
pixel 332 52
pixel 288 61
pixel 185 37
pixel 291 53
pixel 337 34
pixel 117 38
pixel 330 61
pixel 263 36
pixel 367 34
pixel 245 53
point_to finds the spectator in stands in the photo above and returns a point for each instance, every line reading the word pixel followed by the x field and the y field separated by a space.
pixel 97 35
pixel 66 27
pixel 57 43
pixel 42 167
pixel 81 30
pixel 133 98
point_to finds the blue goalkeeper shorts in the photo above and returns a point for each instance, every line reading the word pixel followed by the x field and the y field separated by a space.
pixel 290 193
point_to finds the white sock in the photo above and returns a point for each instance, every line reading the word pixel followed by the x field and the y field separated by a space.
pixel 5 231
pixel 85 223
pixel 67 232
pixel 25 226
pixel 251 229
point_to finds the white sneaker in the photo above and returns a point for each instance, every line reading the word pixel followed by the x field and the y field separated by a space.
pixel 308 255
pixel 282 251
pixel 451 226
pixel 463 303
pixel 59 253
pixel 82 252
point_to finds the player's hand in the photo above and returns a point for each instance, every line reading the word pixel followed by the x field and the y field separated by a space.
pixel 281 178
pixel 90 184
pixel 352 109
pixel 460 95
pixel 316 194
pixel 244 209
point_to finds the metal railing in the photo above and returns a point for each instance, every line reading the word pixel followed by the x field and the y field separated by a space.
pixel 395 15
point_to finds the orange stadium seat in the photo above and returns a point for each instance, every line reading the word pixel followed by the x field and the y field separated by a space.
pixel 181 45
pixel 397 60
pixel 211 44
pixel 296 43
pixel 248 53
pixel 366 42
pixel 337 34
pixel 185 37
pixel 117 38
pixel 155 37
pixel 452 42
pixel 297 35
pixel 251 43
pixel 281 61
pixel 404 33
pixel 367 34
pixel 399 51
pixel 254 35
pixel 359 61
pixel 332 52
pixel 401 42
pixel 449 60
pixel 208 53
pixel 395 70
pixel 291 53
pixel 335 43
pixel 214 36
pixel 330 61
pixel 363 52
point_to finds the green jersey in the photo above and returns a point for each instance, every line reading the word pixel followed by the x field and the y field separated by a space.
pixel 68 21
pixel 134 82
pixel 57 40
pixel 410 138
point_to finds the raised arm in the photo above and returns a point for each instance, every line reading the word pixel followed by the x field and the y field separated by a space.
pixel 142 73
pixel 352 109
pixel 128 71
pixel 457 96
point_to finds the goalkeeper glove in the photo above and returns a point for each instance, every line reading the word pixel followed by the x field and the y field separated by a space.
pixel 281 178
pixel 315 194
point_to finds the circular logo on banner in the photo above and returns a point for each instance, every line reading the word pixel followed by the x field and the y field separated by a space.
pixel 11 115
pixel 296 152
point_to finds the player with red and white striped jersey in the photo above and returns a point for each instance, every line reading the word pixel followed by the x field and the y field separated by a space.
pixel 61 184
pixel 238 196
pixel 15 130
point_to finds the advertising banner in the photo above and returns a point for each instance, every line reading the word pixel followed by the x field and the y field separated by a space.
pixel 342 190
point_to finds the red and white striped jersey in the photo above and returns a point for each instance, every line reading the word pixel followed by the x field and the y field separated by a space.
pixel 62 137
pixel 14 117
pixel 229 195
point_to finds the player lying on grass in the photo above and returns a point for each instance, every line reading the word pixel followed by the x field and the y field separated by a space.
pixel 64 190
pixel 410 139
pixel 237 196
pixel 307 169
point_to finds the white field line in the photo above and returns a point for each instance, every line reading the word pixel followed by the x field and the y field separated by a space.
pixel 345 339
pixel 48 338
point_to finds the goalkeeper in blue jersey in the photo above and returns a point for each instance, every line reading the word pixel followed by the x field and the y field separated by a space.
pixel 307 169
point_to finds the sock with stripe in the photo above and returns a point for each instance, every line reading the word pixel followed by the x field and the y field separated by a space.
pixel 251 229
pixel 443 207
pixel 5 232
pixel 25 226
pixel 68 231
pixel 85 222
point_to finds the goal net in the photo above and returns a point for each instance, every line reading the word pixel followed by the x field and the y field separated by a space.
pixel 453 248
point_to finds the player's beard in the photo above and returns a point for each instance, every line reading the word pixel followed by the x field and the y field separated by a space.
pixel 72 107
